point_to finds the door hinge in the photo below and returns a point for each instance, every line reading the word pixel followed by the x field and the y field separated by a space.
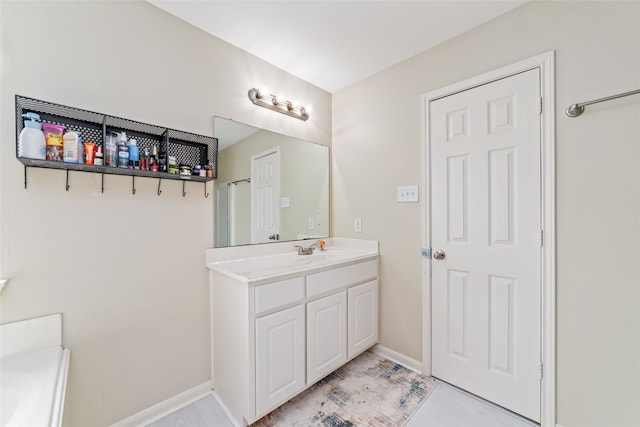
pixel 540 112
pixel 540 370
pixel 426 253
pixel 541 238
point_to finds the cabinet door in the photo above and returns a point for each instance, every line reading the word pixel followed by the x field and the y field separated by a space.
pixel 280 345
pixel 326 335
pixel 363 317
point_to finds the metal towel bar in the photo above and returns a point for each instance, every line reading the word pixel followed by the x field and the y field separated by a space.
pixel 575 110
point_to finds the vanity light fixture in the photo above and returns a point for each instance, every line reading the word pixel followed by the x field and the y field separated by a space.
pixel 280 105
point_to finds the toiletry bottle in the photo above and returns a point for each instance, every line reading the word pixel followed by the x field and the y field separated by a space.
pixel 123 151
pixel 82 157
pixel 143 160
pixel 31 142
pixel 70 146
pixel 162 159
pixel 111 150
pixel 98 159
pixel 153 159
pixel 134 154
pixel 90 152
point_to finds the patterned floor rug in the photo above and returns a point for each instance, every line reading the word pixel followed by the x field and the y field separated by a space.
pixel 368 391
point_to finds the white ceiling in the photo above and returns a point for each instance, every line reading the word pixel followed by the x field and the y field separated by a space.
pixel 334 44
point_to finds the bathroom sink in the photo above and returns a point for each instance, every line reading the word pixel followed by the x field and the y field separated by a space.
pixel 260 267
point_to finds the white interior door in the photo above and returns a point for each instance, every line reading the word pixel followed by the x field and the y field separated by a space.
pixel 265 194
pixel 486 238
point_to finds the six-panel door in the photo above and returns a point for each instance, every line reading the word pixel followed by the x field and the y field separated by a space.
pixel 486 225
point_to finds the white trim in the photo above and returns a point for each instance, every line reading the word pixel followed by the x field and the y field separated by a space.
pixel 396 357
pixel 169 406
pixel 226 411
pixel 544 62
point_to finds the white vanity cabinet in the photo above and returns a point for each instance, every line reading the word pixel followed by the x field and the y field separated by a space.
pixel 280 347
pixel 326 335
pixel 363 317
pixel 272 337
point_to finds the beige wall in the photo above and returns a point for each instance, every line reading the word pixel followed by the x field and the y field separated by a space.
pixel 376 147
pixel 126 271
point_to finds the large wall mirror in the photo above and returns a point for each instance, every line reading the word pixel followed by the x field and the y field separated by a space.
pixel 270 187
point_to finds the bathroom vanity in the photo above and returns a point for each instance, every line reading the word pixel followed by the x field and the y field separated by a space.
pixel 282 321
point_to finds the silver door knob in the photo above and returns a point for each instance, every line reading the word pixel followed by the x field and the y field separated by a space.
pixel 439 254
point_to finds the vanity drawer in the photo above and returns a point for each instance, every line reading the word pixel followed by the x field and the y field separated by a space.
pixel 330 280
pixel 278 294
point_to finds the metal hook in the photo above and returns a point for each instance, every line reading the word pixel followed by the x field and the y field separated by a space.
pixel 159 181
pixel 133 184
pixel 206 195
pixel 183 192
pixel 67 180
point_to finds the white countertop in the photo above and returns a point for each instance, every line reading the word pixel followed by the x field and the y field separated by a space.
pixel 256 263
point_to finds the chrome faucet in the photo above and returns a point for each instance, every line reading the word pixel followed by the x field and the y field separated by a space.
pixel 306 251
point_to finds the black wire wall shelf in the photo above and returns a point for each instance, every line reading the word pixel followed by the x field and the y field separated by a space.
pixel 188 148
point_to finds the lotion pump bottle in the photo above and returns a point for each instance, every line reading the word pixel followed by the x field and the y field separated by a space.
pixel 31 142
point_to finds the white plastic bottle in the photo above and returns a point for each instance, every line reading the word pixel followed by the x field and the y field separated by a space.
pixel 70 141
pixel 31 142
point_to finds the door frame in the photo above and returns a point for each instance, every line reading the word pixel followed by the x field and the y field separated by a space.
pixel 545 63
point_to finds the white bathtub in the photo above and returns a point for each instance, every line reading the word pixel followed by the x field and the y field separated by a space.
pixel 33 382
pixel 33 387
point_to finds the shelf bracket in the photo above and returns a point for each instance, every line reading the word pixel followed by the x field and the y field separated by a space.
pixel 183 192
pixel 159 181
pixel 206 195
pixel 67 186
pixel 25 177
pixel 102 182
pixel 133 185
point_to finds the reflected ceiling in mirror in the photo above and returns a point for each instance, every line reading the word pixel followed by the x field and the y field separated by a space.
pixel 270 187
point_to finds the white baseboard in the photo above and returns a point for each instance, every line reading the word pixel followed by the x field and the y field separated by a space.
pixel 226 411
pixel 162 409
pixel 399 358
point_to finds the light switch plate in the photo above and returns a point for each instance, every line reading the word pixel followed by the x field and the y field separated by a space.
pixel 284 202
pixel 407 193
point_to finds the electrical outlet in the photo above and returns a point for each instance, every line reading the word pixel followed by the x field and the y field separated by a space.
pixel 357 225
pixel 407 193
pixel 311 223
